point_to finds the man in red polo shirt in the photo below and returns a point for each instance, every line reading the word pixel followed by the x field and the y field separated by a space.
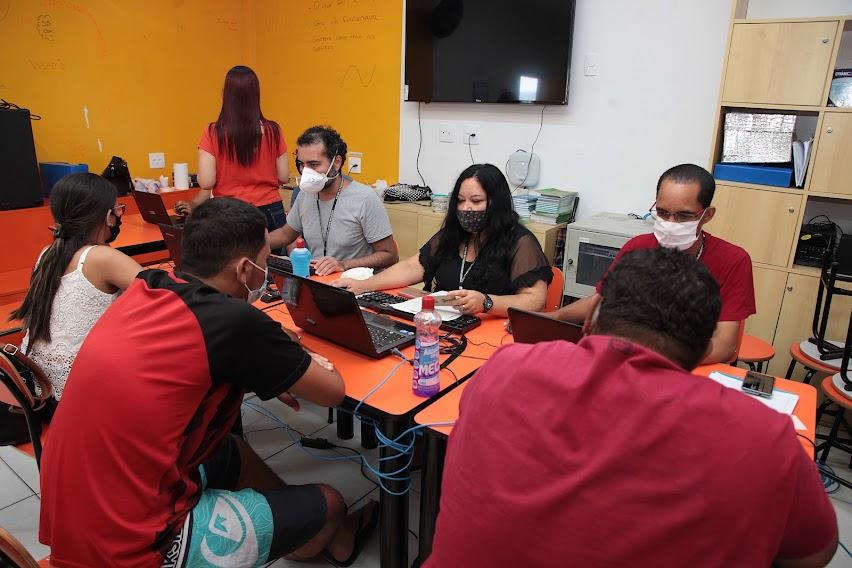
pixel 141 469
pixel 683 207
pixel 609 452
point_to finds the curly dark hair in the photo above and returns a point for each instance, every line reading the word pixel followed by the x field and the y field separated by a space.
pixel 663 299
pixel 333 143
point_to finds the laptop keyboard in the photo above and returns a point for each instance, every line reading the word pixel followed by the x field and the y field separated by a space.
pixel 382 336
pixel 383 302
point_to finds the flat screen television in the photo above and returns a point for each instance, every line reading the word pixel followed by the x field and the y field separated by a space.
pixel 488 51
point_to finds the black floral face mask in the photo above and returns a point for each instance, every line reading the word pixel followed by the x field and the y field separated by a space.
pixel 471 221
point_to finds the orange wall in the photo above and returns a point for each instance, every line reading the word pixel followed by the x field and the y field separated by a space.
pixel 149 73
pixel 334 62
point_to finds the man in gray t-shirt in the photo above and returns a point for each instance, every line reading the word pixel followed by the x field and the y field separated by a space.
pixel 343 222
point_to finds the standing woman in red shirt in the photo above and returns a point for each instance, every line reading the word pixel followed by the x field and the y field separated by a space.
pixel 242 154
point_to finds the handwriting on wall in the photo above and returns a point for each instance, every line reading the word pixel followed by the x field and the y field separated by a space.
pixel 52 64
pixel 86 14
pixel 340 24
pixel 44 27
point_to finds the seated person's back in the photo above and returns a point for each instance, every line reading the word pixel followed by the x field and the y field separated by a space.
pixel 140 463
pixel 76 278
pixel 609 453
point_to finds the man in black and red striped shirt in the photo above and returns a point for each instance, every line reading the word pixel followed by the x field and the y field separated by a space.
pixel 140 469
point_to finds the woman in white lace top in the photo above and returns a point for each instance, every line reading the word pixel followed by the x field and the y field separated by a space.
pixel 75 279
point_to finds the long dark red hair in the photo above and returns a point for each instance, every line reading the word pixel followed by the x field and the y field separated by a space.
pixel 238 128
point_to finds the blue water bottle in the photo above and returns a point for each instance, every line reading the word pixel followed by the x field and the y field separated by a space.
pixel 300 257
pixel 427 365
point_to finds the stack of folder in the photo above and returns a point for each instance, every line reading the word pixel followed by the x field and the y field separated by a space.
pixel 524 205
pixel 554 206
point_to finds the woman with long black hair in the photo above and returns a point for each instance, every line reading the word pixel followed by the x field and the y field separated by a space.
pixel 242 154
pixel 483 255
pixel 77 277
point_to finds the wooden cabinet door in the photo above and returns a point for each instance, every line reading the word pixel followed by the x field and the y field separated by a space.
pixel 404 226
pixel 768 292
pixel 779 63
pixel 762 222
pixel 795 322
pixel 832 168
pixel 427 225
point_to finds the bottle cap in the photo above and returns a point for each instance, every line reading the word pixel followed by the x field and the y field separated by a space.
pixel 428 303
pixel 300 243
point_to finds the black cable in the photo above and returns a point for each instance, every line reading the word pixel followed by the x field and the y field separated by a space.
pixel 532 149
pixel 6 105
pixel 481 343
pixel 419 143
pixel 808 439
pixel 270 306
pixel 470 147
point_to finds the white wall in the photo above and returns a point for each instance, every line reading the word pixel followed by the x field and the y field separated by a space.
pixel 651 106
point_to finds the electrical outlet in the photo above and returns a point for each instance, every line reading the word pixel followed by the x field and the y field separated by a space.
pixel 447 133
pixel 471 134
pixel 156 160
pixel 355 162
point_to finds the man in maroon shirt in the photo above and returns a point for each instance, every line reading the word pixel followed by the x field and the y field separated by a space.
pixel 683 207
pixel 140 469
pixel 609 452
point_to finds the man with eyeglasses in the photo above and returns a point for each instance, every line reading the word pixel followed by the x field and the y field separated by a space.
pixel 682 208
pixel 344 223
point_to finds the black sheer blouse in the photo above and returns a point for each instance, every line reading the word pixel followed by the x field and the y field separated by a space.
pixel 525 265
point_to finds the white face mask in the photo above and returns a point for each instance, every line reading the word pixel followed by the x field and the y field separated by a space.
pixel 254 295
pixel 312 181
pixel 679 236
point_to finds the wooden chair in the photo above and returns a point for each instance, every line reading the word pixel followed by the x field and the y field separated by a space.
pixel 15 393
pixel 555 291
pixel 12 552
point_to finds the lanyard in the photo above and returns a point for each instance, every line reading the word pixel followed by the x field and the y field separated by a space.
pixel 330 217
pixel 462 272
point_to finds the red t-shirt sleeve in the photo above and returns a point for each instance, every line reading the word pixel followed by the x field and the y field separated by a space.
pixel 638 242
pixel 738 292
pixel 206 142
pixel 282 144
pixel 811 521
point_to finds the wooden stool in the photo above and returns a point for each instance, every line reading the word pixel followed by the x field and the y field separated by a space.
pixel 812 365
pixel 755 352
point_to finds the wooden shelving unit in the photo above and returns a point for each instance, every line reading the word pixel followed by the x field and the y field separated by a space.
pixel 784 65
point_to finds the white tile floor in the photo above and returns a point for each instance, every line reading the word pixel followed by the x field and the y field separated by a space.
pixel 19 489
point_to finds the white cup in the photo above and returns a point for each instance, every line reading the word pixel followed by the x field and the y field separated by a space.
pixel 181 175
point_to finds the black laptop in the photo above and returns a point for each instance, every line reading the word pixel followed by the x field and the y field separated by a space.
pixel 333 314
pixel 154 211
pixel 531 327
pixel 172 235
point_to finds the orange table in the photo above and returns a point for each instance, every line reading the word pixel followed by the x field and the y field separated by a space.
pixel 138 236
pixel 446 409
pixel 393 407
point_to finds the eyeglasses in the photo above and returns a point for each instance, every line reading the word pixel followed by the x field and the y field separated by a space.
pixel 679 217
pixel 118 210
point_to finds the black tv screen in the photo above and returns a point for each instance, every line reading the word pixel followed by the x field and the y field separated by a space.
pixel 488 51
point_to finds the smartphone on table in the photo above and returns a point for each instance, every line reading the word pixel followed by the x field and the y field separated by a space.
pixel 758 384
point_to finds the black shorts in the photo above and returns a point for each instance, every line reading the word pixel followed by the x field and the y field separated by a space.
pixel 252 526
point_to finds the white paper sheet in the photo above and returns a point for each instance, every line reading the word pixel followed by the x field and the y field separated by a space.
pixel 781 401
pixel 414 305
